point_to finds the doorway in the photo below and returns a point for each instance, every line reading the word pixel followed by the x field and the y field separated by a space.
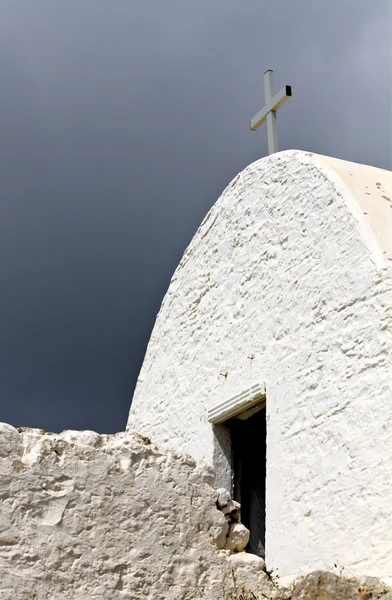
pixel 248 444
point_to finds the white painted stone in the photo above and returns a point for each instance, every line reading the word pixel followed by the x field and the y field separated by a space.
pixel 247 568
pixel 90 517
pixel 10 444
pixel 232 507
pixel 243 559
pixel 288 281
pixel 237 538
pixel 224 497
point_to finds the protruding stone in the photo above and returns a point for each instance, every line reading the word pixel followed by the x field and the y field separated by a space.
pixel 81 438
pixel 10 441
pixel 238 537
pixel 223 497
pixel 243 559
pixel 221 529
pixel 231 507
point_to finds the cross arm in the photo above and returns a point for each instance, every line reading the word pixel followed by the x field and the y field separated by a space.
pixel 273 105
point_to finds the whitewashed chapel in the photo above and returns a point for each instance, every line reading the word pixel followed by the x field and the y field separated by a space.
pixel 270 360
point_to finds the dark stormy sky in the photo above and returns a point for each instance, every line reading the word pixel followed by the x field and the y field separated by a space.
pixel 120 124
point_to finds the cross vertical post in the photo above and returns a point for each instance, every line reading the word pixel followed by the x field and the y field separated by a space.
pixel 272 126
pixel 268 113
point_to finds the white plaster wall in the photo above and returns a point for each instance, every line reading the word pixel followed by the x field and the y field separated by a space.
pixel 292 266
pixel 96 517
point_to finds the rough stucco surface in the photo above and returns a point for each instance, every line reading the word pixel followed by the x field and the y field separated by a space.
pixel 288 281
pixel 99 517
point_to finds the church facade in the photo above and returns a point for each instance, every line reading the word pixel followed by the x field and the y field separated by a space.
pixel 270 360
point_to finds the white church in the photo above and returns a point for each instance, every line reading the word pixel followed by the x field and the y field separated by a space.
pixel 271 358
pixel 270 368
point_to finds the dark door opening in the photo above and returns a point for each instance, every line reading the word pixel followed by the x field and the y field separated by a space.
pixel 249 463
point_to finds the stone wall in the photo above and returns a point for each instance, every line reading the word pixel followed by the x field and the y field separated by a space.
pixel 94 517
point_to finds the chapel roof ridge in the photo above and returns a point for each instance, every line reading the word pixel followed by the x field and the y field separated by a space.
pixel 297 153
pixel 367 191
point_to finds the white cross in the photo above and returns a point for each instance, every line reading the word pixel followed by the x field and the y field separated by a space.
pixel 268 113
